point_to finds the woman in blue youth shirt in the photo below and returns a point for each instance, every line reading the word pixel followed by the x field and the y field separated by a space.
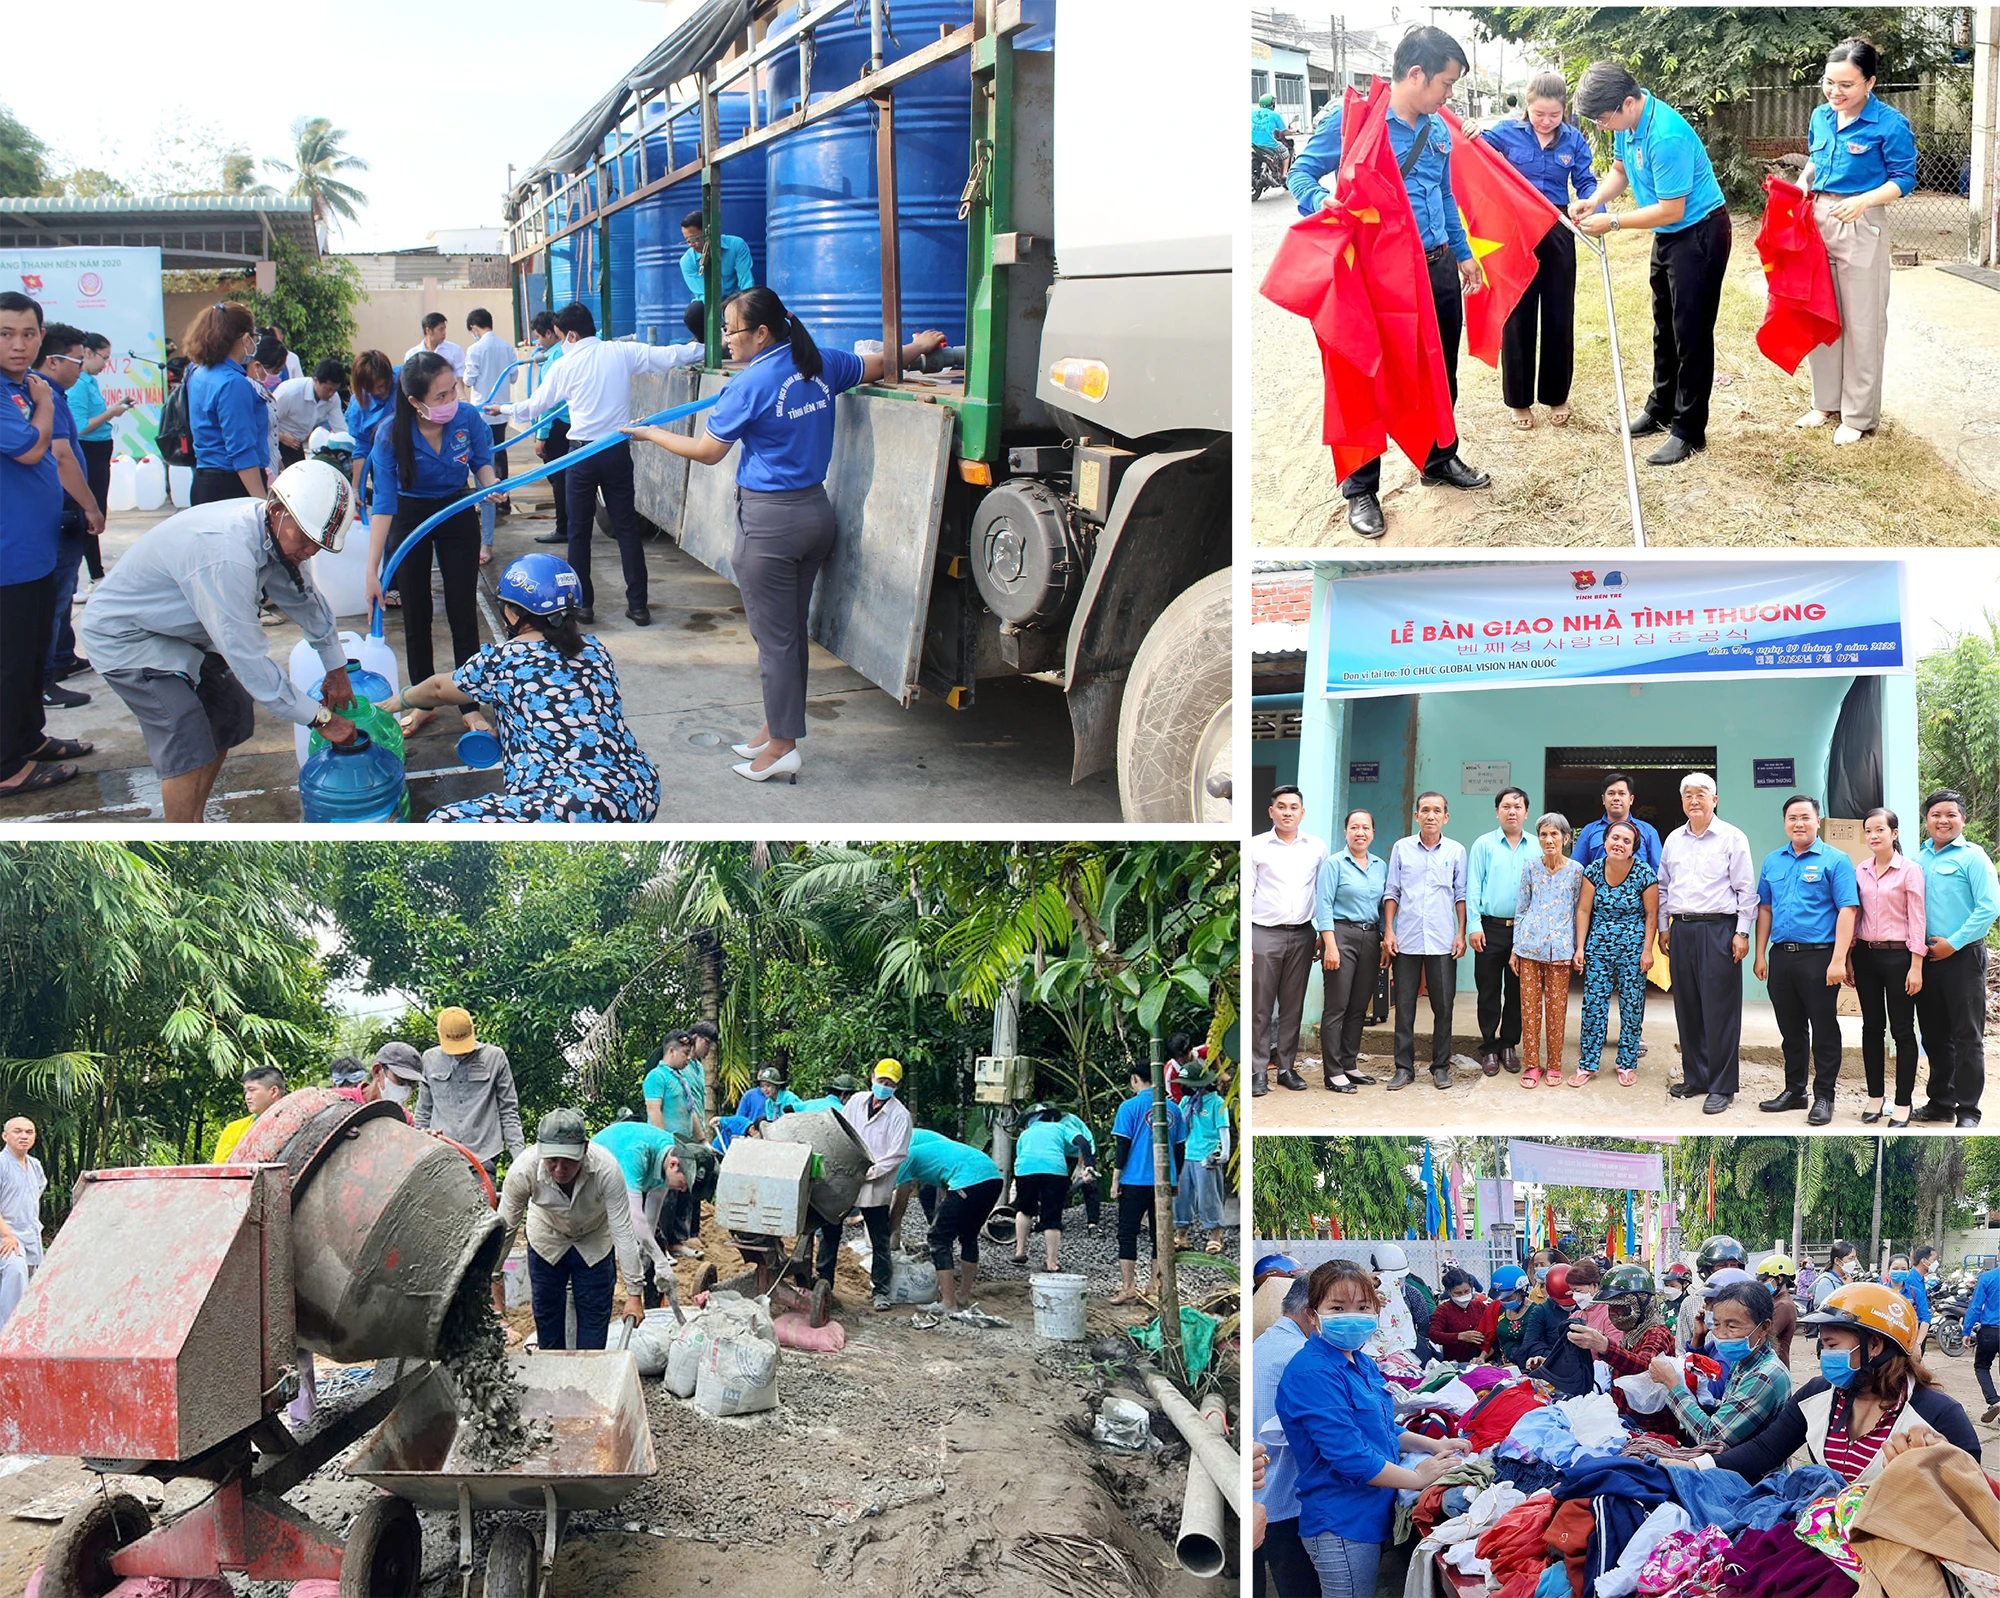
pixel 1551 154
pixel 1863 158
pixel 419 464
pixel 226 411
pixel 780 408
pixel 1340 1424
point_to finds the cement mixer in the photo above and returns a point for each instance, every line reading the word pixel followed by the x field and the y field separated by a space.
pixel 159 1339
pixel 802 1171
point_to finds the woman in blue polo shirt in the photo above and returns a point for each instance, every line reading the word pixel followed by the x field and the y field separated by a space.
pixel 1551 154
pixel 226 412
pixel 1657 156
pixel 1863 158
pixel 419 465
pixel 1340 1425
pixel 780 408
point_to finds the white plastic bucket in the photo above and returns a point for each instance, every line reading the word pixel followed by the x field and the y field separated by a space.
pixel 1059 1305
pixel 305 669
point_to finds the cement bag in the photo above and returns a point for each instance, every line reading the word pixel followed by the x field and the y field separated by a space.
pixel 797 1331
pixel 912 1282
pixel 739 1370
pixel 650 1340
pixel 725 1315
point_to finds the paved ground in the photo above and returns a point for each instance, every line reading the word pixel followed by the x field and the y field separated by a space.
pixel 1925 477
pixel 690 685
pixel 1473 1100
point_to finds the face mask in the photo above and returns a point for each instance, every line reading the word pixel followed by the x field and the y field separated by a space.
pixel 1899 1277
pixel 1513 1306
pixel 1838 1369
pixel 1731 1349
pixel 884 1090
pixel 1584 1300
pixel 1623 1317
pixel 396 1092
pixel 1541 1273
pixel 440 413
pixel 1347 1332
pixel 1461 1299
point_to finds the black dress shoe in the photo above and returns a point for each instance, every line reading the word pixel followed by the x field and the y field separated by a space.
pixel 1292 1080
pixel 1934 1111
pixel 586 615
pixel 1365 518
pixel 1260 1090
pixel 1489 1062
pixel 1679 1090
pixel 639 615
pixel 1671 453
pixel 1400 1080
pixel 1821 1112
pixel 552 538
pixel 1451 472
pixel 1642 424
pixel 1716 1103
pixel 1360 1080
pixel 1440 1077
pixel 1510 1061
pixel 1968 1117
pixel 1783 1102
pixel 1342 1087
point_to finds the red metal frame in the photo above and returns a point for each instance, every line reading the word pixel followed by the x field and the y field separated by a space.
pixel 252 1534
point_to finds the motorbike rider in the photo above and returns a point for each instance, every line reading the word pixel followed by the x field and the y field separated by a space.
pixel 1267 133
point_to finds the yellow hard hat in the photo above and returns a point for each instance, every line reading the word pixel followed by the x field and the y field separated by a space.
pixel 1869 1306
pixel 892 1069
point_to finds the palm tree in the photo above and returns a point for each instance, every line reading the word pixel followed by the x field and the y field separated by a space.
pixel 239 172
pixel 1940 1172
pixel 317 158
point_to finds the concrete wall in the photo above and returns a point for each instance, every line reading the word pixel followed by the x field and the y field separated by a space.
pixel 390 320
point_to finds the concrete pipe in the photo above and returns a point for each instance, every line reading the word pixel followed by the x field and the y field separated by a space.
pixel 1199 1545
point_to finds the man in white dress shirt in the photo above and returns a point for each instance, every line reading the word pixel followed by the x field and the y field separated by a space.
pixel 596 379
pixel 1284 885
pixel 489 357
pixel 303 403
pixel 1708 899
pixel 434 340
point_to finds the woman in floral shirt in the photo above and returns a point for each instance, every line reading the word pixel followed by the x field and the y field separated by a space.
pixel 1544 943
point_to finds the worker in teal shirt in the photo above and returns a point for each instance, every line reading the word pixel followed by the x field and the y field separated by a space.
pixel 1266 124
pixel 1198 1199
pixel 769 1099
pixel 1961 901
pixel 675 1086
pixel 653 1174
pixel 1427 63
pixel 1658 157
pixel 738 270
pixel 1492 894
pixel 968 1185
pixel 1807 901
pixel 1048 1147
pixel 1132 1181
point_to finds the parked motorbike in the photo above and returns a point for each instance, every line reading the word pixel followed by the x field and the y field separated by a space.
pixel 1267 171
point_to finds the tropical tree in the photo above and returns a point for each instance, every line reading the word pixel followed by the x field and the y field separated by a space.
pixel 239 174
pixel 1365 1184
pixel 1958 726
pixel 21 157
pixel 313 301
pixel 317 161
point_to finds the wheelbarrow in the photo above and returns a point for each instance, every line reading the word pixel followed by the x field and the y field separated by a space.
pixel 601 1451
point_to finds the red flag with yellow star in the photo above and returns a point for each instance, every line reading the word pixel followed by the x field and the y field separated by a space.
pixel 1800 312
pixel 1355 269
pixel 1505 217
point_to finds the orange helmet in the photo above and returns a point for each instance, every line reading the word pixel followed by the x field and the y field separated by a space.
pixel 1870 1307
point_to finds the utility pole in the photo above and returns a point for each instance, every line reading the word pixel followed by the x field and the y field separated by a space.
pixel 1163 1219
pixel 1875 1219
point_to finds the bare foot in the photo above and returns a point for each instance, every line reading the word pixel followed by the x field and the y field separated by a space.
pixel 414 721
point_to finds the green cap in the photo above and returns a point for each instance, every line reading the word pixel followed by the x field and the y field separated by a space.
pixel 562 1136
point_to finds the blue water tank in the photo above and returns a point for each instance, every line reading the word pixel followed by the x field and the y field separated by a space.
pixel 1040 32
pixel 357 781
pixel 825 257
pixel 658 244
pixel 618 260
pixel 562 273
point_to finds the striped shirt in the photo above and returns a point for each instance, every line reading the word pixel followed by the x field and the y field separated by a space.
pixel 1852 1455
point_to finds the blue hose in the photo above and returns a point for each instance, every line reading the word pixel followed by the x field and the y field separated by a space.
pixel 503 485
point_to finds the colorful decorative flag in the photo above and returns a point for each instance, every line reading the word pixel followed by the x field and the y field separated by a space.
pixel 1505 219
pixel 1355 269
pixel 1631 1230
pixel 1711 1190
pixel 1433 1212
pixel 1800 313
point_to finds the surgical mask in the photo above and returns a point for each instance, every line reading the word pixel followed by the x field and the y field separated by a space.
pixel 1584 1300
pixel 1838 1369
pixel 1347 1331
pixel 1899 1277
pixel 1461 1299
pixel 396 1092
pixel 1732 1349
pixel 1512 1305
pixel 441 413
pixel 884 1090
pixel 1541 1273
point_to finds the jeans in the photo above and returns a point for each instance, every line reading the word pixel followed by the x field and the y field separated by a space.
pixel 71 546
pixel 487 507
pixel 549 1284
pixel 1198 1201
pixel 1346 1569
pixel 1282 1568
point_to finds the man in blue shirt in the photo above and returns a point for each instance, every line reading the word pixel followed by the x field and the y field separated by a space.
pixel 1961 901
pixel 31 505
pixel 1280 1563
pixel 1806 904
pixel 1427 63
pixel 738 271
pixel 1659 158
pixel 1982 1335
pixel 1616 793
pixel 1492 893
pixel 1423 913
pixel 61 364
pixel 1132 1179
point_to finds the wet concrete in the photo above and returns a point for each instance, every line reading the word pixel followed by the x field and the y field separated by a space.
pixel 691 690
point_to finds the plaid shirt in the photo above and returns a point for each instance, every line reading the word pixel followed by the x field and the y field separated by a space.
pixel 1633 1361
pixel 1758 1388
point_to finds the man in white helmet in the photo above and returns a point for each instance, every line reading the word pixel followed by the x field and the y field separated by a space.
pixel 173 627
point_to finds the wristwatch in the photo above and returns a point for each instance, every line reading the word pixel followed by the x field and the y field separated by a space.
pixel 322 716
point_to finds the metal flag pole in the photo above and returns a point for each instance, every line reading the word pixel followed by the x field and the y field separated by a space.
pixel 1618 380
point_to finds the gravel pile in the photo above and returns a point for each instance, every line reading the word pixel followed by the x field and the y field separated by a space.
pixel 473 1351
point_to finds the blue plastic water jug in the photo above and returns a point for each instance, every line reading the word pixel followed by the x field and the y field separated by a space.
pixel 356 781
pixel 370 685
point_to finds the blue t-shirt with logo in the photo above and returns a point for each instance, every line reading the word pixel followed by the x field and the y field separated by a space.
pixel 467 445
pixel 1134 1121
pixel 31 497
pixel 784 421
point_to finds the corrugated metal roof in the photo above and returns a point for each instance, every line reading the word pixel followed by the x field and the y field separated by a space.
pixel 177 204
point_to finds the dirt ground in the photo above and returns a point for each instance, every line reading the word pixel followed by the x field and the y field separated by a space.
pixel 1760 482
pixel 914 1462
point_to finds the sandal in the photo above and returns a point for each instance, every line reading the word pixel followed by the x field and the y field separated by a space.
pixel 1020 1259
pixel 1627 1076
pixel 1531 1078
pixel 1558 416
pixel 1524 420
pixel 1582 1078
pixel 63 749
pixel 414 721
pixel 43 776
pixel 1214 1246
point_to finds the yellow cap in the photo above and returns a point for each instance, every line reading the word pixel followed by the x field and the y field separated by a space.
pixel 892 1069
pixel 455 1031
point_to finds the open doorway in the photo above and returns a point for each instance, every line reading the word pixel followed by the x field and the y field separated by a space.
pixel 1573 780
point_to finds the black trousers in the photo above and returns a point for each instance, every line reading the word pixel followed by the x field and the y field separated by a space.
pixel 212 483
pixel 1347 995
pixel 1547 308
pixel 1808 1020
pixel 1688 269
pixel 1438 972
pixel 1135 1209
pixel 696 318
pixel 1985 1344
pixel 1281 962
pixel 608 474
pixel 1708 1002
pixel 97 472
pixel 876 1218
pixel 287 456
pixel 27 616
pixel 1499 989
pixel 456 543
pixel 1951 1016
pixel 1886 1011
pixel 1451 324
pixel 1087 1192
pixel 554 448
pixel 1282 1568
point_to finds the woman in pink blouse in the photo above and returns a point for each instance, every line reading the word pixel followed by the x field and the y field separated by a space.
pixel 1885 966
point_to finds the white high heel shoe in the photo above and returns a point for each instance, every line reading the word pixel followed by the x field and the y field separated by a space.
pixel 786 766
pixel 749 751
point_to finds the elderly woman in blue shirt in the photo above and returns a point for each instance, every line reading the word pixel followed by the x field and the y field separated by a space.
pixel 1555 157
pixel 1340 1426
pixel 1348 919
pixel 1862 159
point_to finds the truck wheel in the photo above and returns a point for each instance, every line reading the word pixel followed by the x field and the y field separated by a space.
pixel 384 1556
pixel 511 1564
pixel 78 1561
pixel 1174 730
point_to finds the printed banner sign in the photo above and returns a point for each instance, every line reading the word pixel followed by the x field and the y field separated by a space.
pixel 116 293
pixel 1503 626
pixel 1496 1204
pixel 1554 1166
